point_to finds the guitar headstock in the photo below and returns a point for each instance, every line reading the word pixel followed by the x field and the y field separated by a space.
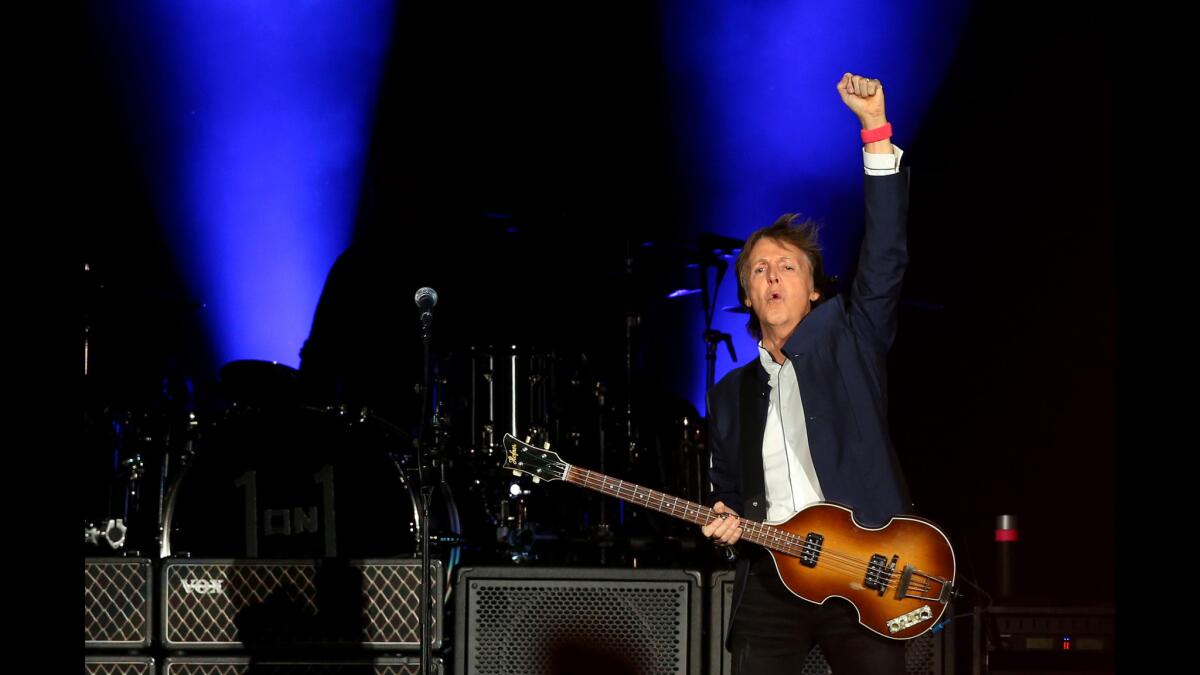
pixel 540 463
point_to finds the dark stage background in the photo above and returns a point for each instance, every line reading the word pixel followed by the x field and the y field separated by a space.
pixel 1002 376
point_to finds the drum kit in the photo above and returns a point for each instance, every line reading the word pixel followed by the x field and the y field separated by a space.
pixel 269 473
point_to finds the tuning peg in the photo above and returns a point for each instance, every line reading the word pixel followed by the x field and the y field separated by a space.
pixel 536 480
pixel 527 439
pixel 546 446
pixel 516 473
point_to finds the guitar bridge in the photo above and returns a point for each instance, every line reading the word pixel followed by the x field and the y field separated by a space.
pixel 918 582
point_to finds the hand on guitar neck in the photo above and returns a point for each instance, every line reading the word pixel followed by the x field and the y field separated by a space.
pixel 724 530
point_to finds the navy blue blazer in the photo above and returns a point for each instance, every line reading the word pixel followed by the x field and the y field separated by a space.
pixel 839 351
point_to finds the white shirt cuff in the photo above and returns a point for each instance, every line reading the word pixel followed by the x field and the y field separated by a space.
pixel 876 164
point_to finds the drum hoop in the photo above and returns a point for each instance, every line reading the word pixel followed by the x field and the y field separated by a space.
pixel 363 417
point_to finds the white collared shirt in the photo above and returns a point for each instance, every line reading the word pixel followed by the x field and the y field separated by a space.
pixel 788 473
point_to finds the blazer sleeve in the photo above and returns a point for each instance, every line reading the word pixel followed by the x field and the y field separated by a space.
pixel 882 260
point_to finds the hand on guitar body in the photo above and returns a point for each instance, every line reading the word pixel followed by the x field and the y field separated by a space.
pixel 725 530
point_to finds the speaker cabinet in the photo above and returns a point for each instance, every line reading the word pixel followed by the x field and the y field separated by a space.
pixel 257 603
pixel 550 621
pixel 116 603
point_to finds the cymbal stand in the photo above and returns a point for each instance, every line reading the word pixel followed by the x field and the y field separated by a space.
pixel 712 338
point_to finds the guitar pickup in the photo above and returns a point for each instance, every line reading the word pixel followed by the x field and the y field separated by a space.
pixel 812 549
pixel 879 573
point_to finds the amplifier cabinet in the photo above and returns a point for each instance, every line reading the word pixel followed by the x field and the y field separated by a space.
pixel 253 603
pixel 538 621
pixel 116 603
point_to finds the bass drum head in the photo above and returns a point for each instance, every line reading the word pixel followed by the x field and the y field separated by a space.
pixel 299 482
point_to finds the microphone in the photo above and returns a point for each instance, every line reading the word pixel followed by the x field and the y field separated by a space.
pixel 426 298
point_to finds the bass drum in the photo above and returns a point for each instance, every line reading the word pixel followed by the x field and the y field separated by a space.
pixel 303 482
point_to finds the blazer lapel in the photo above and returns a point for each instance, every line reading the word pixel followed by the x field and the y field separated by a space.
pixel 753 402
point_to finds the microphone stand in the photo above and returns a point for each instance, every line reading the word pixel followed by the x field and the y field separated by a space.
pixel 426 604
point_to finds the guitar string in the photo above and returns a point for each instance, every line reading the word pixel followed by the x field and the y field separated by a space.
pixel 782 540
pixel 778 539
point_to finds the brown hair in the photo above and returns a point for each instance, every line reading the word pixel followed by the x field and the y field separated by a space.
pixel 790 228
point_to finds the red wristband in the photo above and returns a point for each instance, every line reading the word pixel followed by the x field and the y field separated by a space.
pixel 877 134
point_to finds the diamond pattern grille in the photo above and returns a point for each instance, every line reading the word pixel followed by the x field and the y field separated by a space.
pixel 116 602
pixel 243 666
pixel 118 665
pixel 286 603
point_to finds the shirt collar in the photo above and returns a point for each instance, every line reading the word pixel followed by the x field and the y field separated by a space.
pixel 768 364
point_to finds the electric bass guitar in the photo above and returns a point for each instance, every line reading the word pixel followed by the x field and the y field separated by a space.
pixel 898 577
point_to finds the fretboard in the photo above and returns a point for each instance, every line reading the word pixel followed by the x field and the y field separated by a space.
pixel 753 531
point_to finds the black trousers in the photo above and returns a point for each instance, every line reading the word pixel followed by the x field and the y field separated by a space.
pixel 773 631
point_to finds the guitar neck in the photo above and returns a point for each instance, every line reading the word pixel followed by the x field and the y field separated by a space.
pixel 752 531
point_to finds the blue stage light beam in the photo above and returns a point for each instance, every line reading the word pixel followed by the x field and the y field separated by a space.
pixel 759 127
pixel 253 121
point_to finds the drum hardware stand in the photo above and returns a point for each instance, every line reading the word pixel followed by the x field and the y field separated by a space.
pixel 186 453
pixel 603 529
pixel 114 533
pixel 632 321
pixel 91 534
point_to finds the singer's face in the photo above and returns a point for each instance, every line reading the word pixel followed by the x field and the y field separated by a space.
pixel 779 289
